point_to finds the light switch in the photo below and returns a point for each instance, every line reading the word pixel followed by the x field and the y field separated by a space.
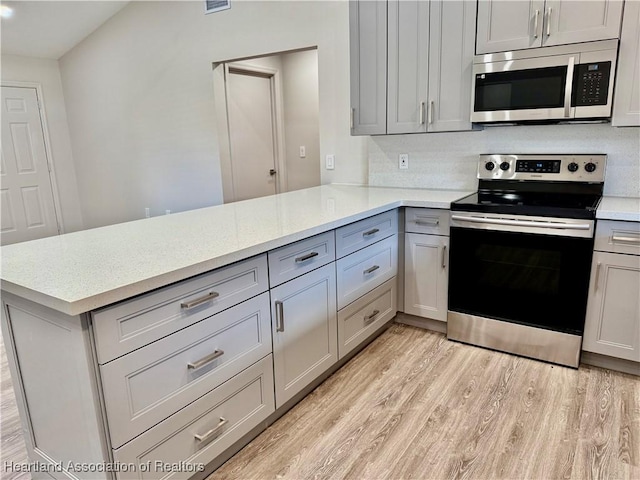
pixel 303 151
pixel 330 162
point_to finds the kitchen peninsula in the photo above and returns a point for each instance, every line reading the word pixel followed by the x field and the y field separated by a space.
pixel 119 331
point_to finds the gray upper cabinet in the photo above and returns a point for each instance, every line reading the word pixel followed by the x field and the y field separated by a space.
pixel 451 45
pixel 424 84
pixel 408 65
pixel 626 104
pixel 368 50
pixel 505 26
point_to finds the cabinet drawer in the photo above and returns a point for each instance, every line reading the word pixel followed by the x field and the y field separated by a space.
pixel 358 235
pixel 365 269
pixel 618 237
pixel 131 324
pixel 427 220
pixel 223 416
pixel 291 261
pixel 364 316
pixel 146 386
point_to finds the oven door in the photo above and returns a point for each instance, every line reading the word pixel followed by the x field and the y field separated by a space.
pixel 525 89
pixel 508 272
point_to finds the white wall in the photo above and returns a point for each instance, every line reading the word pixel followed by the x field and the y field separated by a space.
pixel 301 117
pixel 47 74
pixel 450 160
pixel 139 94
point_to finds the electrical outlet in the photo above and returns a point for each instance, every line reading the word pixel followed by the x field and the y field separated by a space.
pixel 403 161
pixel 147 212
pixel 303 151
pixel 330 162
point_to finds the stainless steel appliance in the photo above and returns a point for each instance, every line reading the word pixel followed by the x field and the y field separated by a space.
pixel 550 83
pixel 520 255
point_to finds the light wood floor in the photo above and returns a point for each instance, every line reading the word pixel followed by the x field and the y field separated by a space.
pixel 413 405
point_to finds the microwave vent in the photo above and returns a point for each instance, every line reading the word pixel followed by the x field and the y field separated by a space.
pixel 212 6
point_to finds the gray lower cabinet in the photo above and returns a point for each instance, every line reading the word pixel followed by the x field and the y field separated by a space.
pixel 425 70
pixel 626 103
pixel 505 26
pixel 612 325
pixel 304 323
pixel 426 263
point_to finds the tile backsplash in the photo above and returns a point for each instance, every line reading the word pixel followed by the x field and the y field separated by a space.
pixel 449 160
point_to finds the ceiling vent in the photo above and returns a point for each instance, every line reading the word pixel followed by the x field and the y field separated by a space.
pixel 212 6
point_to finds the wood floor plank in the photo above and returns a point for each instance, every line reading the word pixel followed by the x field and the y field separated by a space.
pixel 434 409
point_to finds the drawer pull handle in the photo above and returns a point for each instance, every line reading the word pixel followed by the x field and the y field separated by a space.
pixel 432 223
pixel 369 318
pixel 615 239
pixel 370 232
pixel 306 257
pixel 444 256
pixel 199 301
pixel 203 361
pixel 279 316
pixel 371 270
pixel 214 431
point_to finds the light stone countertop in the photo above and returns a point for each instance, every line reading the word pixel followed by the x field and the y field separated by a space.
pixel 619 208
pixel 82 271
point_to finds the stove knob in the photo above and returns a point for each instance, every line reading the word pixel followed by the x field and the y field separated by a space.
pixel 573 167
pixel 504 166
pixel 590 167
pixel 489 166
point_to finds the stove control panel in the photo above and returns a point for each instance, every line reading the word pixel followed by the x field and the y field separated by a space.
pixel 563 168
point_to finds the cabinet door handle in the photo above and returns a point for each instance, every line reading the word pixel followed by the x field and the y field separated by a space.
pixel 421 111
pixel 204 360
pixel 306 257
pixel 431 112
pixel 549 21
pixel 371 270
pixel 597 277
pixel 279 316
pixel 351 117
pixel 369 318
pixel 444 256
pixel 370 232
pixel 616 238
pixel 199 301
pixel 214 431
pixel 535 24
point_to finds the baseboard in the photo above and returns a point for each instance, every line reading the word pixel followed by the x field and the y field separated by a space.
pixel 420 322
pixel 612 363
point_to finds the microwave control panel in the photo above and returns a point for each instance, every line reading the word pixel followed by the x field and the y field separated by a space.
pixel 592 83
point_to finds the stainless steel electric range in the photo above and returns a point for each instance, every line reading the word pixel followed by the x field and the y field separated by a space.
pixel 520 255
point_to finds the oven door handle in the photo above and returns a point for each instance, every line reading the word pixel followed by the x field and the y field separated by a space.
pixel 522 223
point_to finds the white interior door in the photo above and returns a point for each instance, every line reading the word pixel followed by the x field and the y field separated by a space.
pixel 252 134
pixel 26 196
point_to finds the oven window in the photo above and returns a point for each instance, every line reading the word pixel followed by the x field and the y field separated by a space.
pixel 521 89
pixel 536 280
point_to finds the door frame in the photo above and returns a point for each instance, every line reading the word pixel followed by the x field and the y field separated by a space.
pixel 57 206
pixel 221 74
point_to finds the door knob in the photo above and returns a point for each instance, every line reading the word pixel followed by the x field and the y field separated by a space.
pixel 272 172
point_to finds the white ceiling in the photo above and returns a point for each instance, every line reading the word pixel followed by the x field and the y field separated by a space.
pixel 49 29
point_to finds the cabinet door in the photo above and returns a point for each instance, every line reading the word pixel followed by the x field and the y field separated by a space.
pixel 613 313
pixel 505 26
pixel 626 105
pixel 452 38
pixel 425 275
pixel 368 49
pixel 408 65
pixel 570 21
pixel 305 335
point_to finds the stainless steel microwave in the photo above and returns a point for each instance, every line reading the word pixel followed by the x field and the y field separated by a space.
pixel 550 83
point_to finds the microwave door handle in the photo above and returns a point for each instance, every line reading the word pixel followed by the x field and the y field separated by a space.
pixel 568 87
